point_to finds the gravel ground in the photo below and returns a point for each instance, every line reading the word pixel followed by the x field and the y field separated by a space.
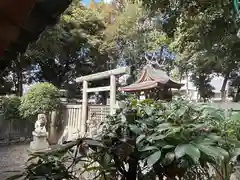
pixel 12 158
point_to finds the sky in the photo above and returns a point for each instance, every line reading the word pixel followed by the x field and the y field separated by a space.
pixel 86 2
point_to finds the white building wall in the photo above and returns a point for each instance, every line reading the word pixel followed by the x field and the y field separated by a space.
pixel 216 82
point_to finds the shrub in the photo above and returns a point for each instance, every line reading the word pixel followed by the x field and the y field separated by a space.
pixel 146 140
pixel 41 98
pixel 10 107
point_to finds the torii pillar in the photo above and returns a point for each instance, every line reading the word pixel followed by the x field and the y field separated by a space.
pixel 112 88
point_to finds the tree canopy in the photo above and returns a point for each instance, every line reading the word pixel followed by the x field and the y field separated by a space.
pixel 197 38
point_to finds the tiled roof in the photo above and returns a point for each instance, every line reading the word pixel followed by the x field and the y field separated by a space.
pixel 150 78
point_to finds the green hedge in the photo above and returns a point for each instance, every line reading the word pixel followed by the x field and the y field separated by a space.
pixel 41 98
pixel 9 107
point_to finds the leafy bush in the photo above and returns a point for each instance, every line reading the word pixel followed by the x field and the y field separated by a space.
pixel 41 98
pixel 232 125
pixel 162 139
pixel 10 107
pixel 150 139
pixel 226 120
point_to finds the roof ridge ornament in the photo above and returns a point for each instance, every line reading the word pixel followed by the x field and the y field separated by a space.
pixel 154 63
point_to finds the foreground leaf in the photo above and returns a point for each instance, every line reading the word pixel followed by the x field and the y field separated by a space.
pixel 135 129
pixel 140 138
pixel 92 142
pixel 153 158
pixel 169 158
pixel 216 153
pixel 163 127
pixel 187 149
pixel 149 110
pixel 236 152
pixel 18 176
pixel 148 148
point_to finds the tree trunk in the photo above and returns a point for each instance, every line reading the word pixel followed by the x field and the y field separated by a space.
pixel 18 70
pixel 132 172
pixel 202 87
pixel 223 88
pixel 237 95
pixel 133 166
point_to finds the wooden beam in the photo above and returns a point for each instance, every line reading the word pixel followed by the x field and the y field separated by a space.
pixel 99 89
pixel 105 74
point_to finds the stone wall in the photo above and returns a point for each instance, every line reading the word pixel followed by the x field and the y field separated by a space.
pixel 15 131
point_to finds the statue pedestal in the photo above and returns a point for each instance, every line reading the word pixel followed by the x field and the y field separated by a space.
pixel 39 142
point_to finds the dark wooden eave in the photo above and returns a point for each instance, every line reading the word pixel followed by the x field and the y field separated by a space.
pixel 22 21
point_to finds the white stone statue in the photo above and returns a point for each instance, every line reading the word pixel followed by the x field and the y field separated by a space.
pixel 40 135
pixel 41 123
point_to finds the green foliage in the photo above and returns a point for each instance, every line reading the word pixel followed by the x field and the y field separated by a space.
pixel 10 107
pixel 70 48
pixel 232 126
pixel 170 136
pixel 229 122
pixel 153 139
pixel 5 85
pixel 203 35
pixel 41 98
pixel 52 167
pixel 202 83
pixel 132 33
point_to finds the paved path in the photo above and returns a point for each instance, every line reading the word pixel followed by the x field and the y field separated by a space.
pixel 12 158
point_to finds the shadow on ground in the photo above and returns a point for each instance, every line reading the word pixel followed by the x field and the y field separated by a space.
pixel 12 158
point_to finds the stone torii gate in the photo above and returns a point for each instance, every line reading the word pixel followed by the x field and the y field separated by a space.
pixel 112 88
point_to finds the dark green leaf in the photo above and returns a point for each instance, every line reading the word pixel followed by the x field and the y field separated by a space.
pixel 235 116
pixel 107 159
pixel 31 158
pixel 214 137
pixel 135 129
pixel 169 158
pixel 158 137
pixel 12 171
pixel 163 127
pixel 92 142
pixel 104 177
pixel 193 152
pixel 153 158
pixel 188 149
pixel 215 152
pixel 90 169
pixel 182 111
pixel 149 110
pixel 148 148
pixel 168 147
pixel 140 138
pixel 173 131
pixel 199 126
pixel 235 152
pixel 14 177
pixel 222 152
pixel 180 151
